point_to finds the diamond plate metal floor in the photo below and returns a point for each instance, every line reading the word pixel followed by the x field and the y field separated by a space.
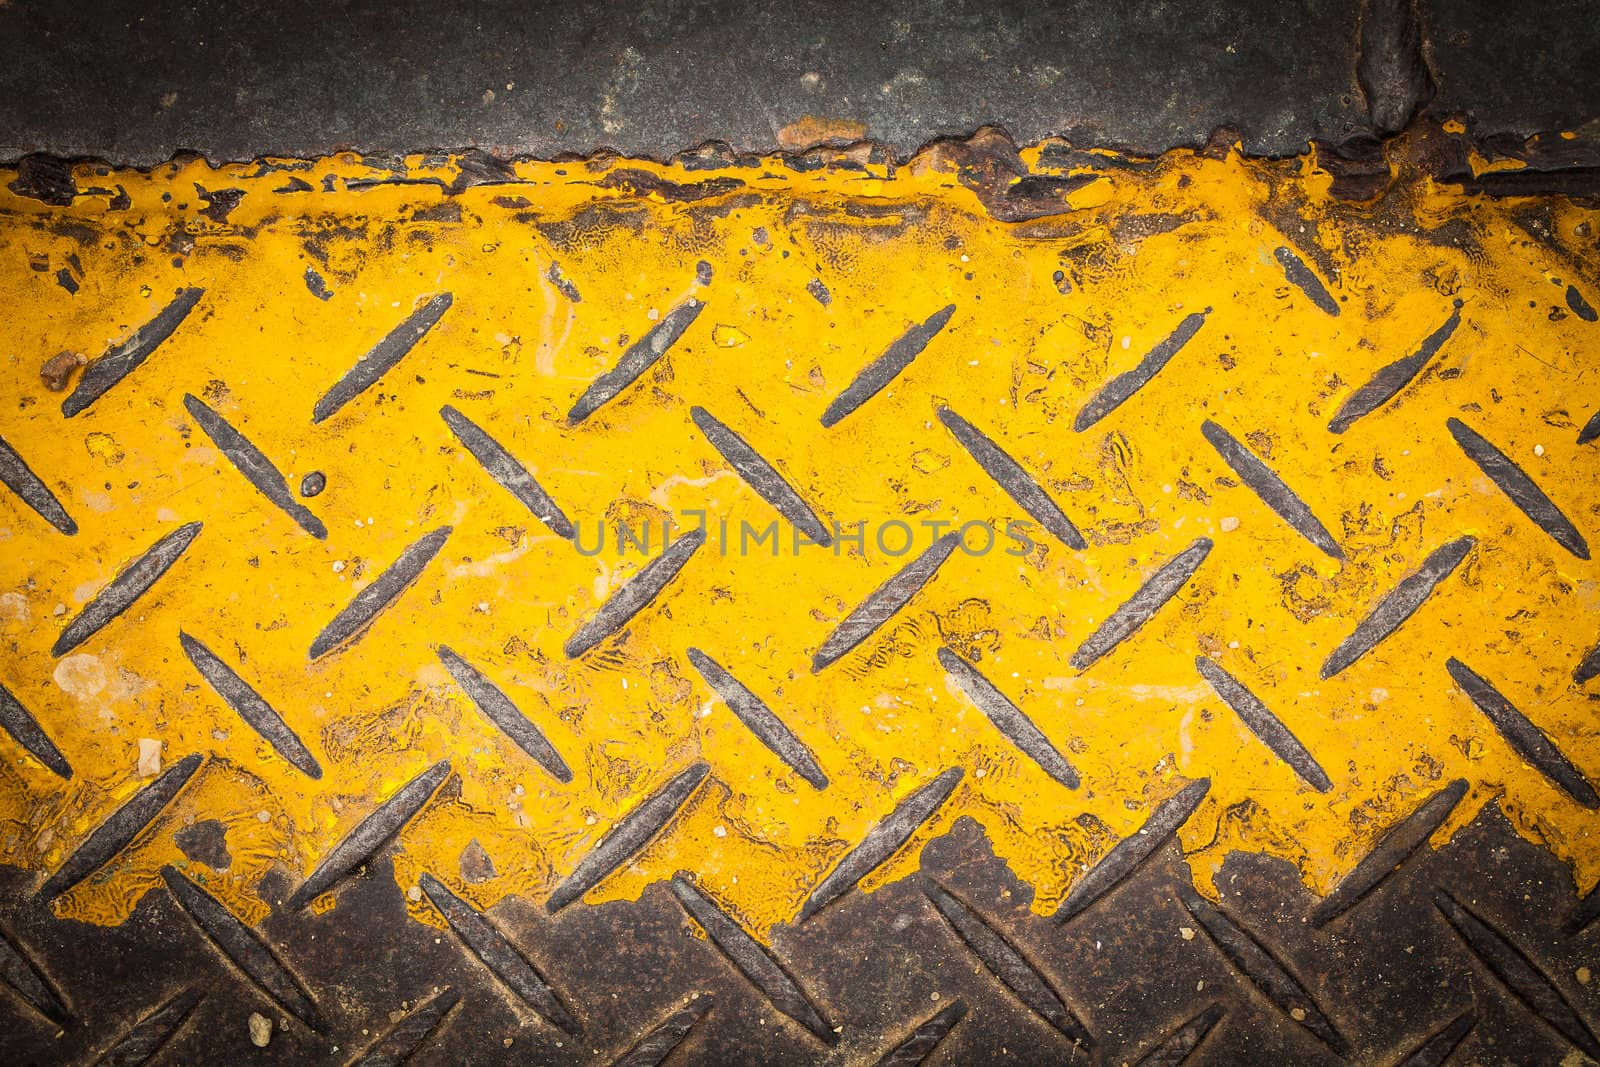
pixel 1022 605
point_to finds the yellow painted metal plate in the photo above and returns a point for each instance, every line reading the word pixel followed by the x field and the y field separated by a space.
pixel 802 279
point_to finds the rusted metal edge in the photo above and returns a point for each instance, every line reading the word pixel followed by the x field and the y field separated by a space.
pixel 987 161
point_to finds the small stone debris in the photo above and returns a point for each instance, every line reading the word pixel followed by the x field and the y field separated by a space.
pixel 260 1029
pixel 58 369
pixel 313 483
pixel 149 757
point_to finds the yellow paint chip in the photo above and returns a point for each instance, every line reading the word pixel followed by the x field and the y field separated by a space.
pixel 728 336
pixel 104 447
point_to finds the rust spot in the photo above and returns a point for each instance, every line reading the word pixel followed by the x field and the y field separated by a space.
pixel 809 130
pixel 58 370
pixel 636 182
pixel 989 164
pixel 219 203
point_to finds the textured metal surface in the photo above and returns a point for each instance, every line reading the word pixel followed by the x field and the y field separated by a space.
pixel 1248 736
pixel 1394 975
pixel 234 80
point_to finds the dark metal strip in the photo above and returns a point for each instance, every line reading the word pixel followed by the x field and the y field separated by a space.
pixel 120 828
pixel 122 360
pixel 1398 605
pixel 1127 855
pixel 371 834
pixel 654 1047
pixel 635 594
pixel 887 367
pixel 1302 278
pixel 17 476
pixel 1263 970
pixel 499 955
pixel 759 719
pixel 1511 479
pixel 1008 718
pixel 1265 725
pixel 1118 390
pixel 397 1044
pixel 1161 587
pixel 132 583
pixel 251 462
pixel 761 476
pixel 925 1038
pixel 1018 484
pixel 884 602
pixel 753 960
pixel 151 1033
pixel 1437 1048
pixel 1272 490
pixel 507 471
pixel 19 722
pixel 24 977
pixel 382 357
pixel 244 947
pixel 1384 385
pixel 359 613
pixel 498 709
pixel 1512 967
pixel 882 841
pixel 1006 962
pixel 631 833
pixel 1178 1046
pixel 1394 848
pixel 640 357
pixel 1530 742
pixel 250 706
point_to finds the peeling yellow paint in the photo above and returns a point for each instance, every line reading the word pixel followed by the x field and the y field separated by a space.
pixel 554 273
